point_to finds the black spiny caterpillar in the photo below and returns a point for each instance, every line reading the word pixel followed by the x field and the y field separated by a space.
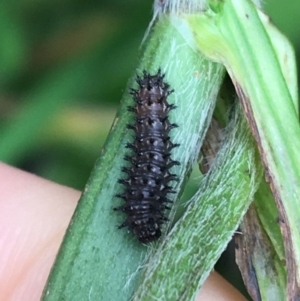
pixel 147 181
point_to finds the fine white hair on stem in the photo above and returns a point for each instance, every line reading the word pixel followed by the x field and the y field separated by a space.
pixel 175 7
pixel 258 3
pixel 178 6
pixel 186 6
pixel 161 7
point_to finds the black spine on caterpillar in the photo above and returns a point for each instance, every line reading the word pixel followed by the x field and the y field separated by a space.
pixel 147 181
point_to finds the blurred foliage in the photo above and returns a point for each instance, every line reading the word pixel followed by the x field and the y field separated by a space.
pixel 64 65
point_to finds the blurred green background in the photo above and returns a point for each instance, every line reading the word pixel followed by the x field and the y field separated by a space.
pixel 63 68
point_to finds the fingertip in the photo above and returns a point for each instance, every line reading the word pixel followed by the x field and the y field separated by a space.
pixel 216 288
pixel 34 214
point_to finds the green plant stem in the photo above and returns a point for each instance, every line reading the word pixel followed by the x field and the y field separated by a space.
pixel 96 261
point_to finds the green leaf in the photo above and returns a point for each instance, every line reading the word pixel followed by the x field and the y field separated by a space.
pixel 239 36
